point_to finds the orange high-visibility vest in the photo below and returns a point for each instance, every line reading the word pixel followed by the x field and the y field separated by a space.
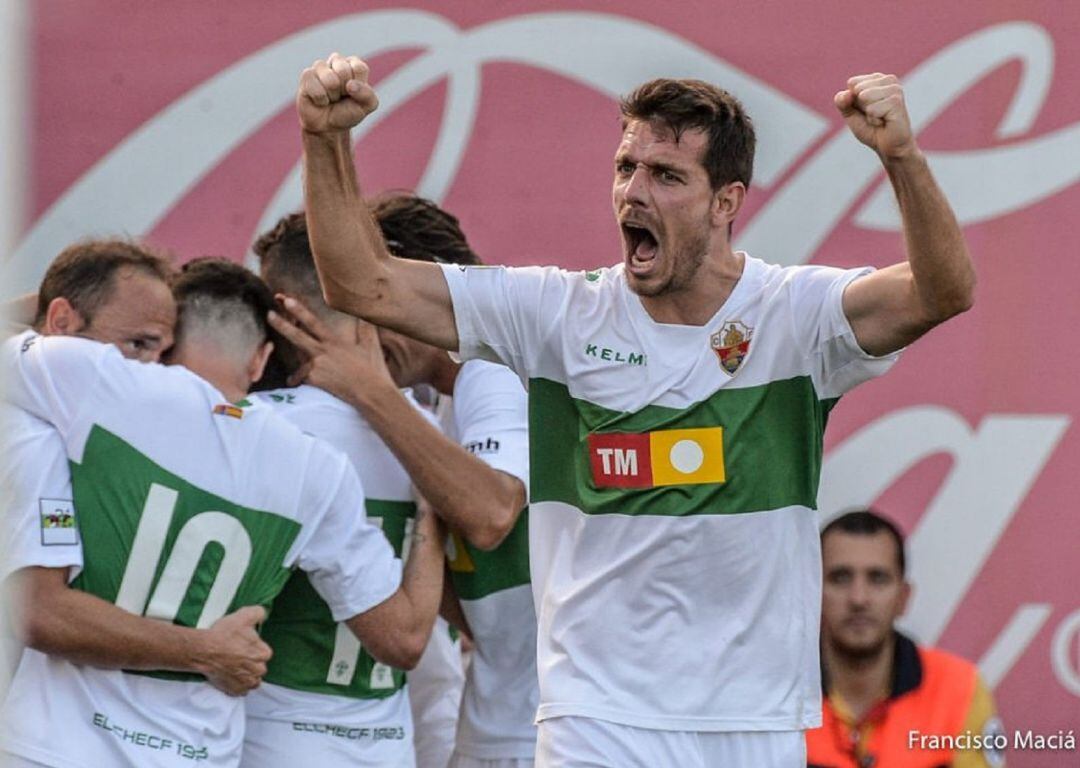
pixel 932 694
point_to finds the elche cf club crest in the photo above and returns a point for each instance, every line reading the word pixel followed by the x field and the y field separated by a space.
pixel 731 345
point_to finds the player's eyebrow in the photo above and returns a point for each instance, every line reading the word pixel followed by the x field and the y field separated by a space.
pixel 654 167
pixel 665 168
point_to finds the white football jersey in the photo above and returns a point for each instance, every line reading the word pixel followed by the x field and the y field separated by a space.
pixel 675 557
pixel 189 507
pixel 488 416
pixel 321 686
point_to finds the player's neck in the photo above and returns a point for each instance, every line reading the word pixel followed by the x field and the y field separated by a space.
pixel 705 293
pixel 233 387
pixel 221 373
pixel 445 374
pixel 861 680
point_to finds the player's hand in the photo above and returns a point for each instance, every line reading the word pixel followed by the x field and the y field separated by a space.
pixel 347 365
pixel 873 108
pixel 234 657
pixel 334 95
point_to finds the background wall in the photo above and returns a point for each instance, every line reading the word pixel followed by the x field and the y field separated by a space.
pixel 174 121
pixel 13 120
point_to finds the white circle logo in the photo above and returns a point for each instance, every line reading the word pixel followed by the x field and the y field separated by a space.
pixel 687 456
pixel 1063 653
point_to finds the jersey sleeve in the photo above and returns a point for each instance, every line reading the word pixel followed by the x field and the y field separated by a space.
pixel 837 361
pixel 349 561
pixel 36 508
pixel 49 376
pixel 491 418
pixel 507 315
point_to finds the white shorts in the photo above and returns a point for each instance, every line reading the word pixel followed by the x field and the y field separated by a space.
pixel 435 687
pixel 276 744
pixel 579 742
pixel 464 761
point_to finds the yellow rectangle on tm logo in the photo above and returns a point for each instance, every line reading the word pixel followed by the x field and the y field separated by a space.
pixel 687 456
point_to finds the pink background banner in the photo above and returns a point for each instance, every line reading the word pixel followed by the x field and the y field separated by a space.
pixel 174 121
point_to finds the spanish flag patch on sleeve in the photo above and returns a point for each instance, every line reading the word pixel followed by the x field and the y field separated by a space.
pixel 229 410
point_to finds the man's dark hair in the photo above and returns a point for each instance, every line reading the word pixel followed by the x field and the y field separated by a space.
pixel 85 274
pixel 416 228
pixel 867 522
pixel 413 227
pixel 287 264
pixel 218 290
pixel 686 105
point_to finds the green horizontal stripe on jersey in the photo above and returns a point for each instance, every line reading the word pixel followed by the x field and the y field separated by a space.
pixel 504 567
pixel 111 487
pixel 772 450
pixel 302 631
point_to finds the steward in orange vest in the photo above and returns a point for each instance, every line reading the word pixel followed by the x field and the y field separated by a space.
pixel 888 703
pixel 933 694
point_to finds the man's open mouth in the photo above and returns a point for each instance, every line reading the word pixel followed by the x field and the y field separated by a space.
pixel 641 242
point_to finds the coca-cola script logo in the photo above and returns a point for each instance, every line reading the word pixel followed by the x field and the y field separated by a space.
pixel 981 183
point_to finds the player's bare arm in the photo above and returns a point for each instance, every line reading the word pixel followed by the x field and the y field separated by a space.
pixel 894 306
pixel 85 629
pixel 396 631
pixel 450 608
pixel 357 273
pixel 475 499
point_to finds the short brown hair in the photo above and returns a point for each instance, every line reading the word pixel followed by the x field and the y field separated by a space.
pixel 868 522
pixel 287 266
pixel 85 274
pixel 685 105
pixel 216 281
pixel 285 257
pixel 416 228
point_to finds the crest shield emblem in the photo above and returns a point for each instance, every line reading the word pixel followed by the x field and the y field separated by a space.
pixel 731 345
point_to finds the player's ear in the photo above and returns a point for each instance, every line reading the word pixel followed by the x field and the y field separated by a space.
pixel 259 360
pixel 726 203
pixel 62 319
pixel 905 596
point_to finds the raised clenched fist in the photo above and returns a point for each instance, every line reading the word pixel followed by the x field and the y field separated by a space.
pixel 334 95
pixel 873 108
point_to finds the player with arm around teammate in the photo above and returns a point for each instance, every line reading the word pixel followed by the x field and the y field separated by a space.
pixel 479 475
pixel 117 292
pixel 326 700
pixel 193 500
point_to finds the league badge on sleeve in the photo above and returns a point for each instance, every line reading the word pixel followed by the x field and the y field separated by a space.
pixel 58 526
pixel 731 345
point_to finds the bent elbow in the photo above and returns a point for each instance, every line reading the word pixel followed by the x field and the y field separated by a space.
pixel 366 299
pixel 497 526
pixel 963 298
pixel 408 663
pixel 411 650
pixel 487 538
pixel 36 630
pixel 948 302
pixel 966 300
pixel 957 303
pixel 402 653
